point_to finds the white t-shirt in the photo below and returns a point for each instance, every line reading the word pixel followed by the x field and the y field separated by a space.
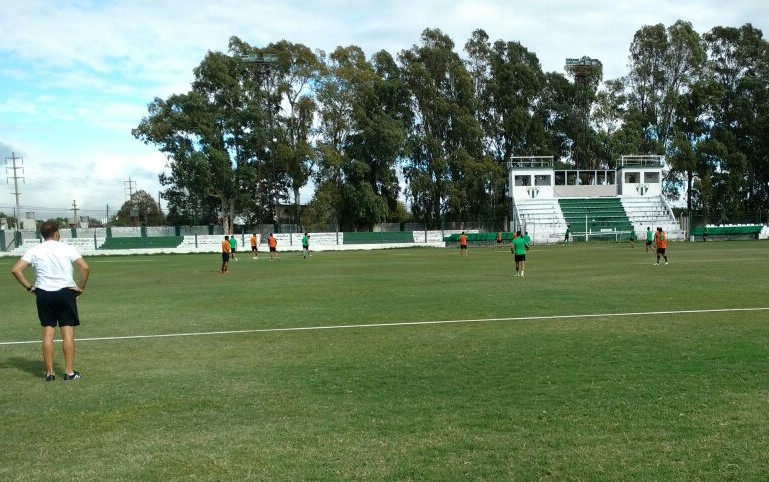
pixel 52 261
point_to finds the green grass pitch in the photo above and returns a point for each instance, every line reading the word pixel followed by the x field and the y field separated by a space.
pixel 401 365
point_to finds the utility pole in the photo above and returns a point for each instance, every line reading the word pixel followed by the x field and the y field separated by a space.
pixel 133 212
pixel 130 188
pixel 15 176
pixel 160 210
pixel 74 213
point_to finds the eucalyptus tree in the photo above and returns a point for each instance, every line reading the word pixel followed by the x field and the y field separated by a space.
pixel 363 123
pixel 616 132
pixel 739 68
pixel 297 71
pixel 694 152
pixel 206 137
pixel 509 84
pixel 664 63
pixel 445 145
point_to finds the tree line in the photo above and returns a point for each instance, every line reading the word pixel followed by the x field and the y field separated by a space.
pixel 439 127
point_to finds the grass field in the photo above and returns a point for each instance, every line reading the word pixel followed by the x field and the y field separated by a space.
pixel 401 365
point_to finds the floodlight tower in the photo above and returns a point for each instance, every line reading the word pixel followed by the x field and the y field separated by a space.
pixel 587 74
pixel 263 65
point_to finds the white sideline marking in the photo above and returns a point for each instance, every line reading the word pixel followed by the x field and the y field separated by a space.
pixel 398 323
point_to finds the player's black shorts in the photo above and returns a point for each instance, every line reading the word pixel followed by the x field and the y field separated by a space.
pixel 520 257
pixel 648 243
pixel 660 250
pixel 57 307
pixel 225 257
pixel 463 246
pixel 273 250
pixel 254 248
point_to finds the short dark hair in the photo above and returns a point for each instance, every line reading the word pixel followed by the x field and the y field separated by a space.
pixel 48 229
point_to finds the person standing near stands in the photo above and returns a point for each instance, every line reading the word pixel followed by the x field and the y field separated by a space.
pixel 519 253
pixel 566 236
pixel 649 238
pixel 661 241
pixel 226 248
pixel 254 247
pixel 463 244
pixel 56 294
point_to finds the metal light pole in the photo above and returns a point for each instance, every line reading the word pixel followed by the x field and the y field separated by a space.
pixel 263 64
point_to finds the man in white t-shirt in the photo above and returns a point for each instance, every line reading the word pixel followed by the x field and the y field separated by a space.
pixel 56 293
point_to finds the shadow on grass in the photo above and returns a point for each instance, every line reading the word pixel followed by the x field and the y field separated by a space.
pixel 27 365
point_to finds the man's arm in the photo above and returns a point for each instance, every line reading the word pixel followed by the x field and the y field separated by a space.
pixel 18 272
pixel 84 270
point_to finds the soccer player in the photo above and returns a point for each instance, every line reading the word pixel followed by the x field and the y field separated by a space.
pixel 527 238
pixel 254 247
pixel 306 245
pixel 499 239
pixel 566 236
pixel 519 252
pixel 233 248
pixel 661 241
pixel 649 238
pixel 226 248
pixel 56 293
pixel 273 244
pixel 632 239
pixel 462 244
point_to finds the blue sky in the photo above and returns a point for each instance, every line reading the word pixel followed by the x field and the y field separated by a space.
pixel 76 75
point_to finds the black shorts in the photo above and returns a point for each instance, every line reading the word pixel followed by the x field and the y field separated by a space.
pixel 520 257
pixel 648 243
pixel 660 250
pixel 464 246
pixel 273 250
pixel 254 248
pixel 306 247
pixel 57 307
pixel 225 257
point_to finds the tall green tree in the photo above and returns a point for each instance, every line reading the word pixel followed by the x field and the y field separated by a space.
pixel 363 124
pixel 298 70
pixel 739 68
pixel 208 138
pixel 664 63
pixel 509 85
pixel 445 144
